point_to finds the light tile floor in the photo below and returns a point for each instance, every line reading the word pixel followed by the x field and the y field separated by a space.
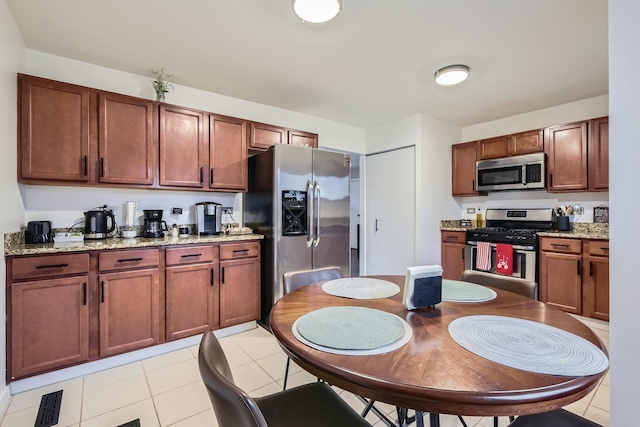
pixel 166 390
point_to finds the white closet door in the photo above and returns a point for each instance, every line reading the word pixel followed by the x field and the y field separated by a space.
pixel 390 216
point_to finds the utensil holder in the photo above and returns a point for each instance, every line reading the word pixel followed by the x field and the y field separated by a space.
pixel 563 224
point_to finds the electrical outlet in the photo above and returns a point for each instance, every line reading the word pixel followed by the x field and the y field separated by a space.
pixel 227 209
pixel 471 210
pixel 113 209
pixel 176 211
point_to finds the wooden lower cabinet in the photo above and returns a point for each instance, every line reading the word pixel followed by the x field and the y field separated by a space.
pixel 452 254
pixel 239 291
pixel 129 311
pixel 49 325
pixel 192 299
pixel 561 281
pixel 574 275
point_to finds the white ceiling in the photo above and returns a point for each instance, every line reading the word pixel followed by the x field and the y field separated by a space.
pixel 371 65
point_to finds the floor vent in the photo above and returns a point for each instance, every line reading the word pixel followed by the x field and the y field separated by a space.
pixel 49 410
pixel 134 423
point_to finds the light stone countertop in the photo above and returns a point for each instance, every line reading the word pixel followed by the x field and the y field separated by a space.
pixel 120 243
pixel 579 230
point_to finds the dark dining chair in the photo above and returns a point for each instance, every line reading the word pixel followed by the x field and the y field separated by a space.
pixel 311 405
pixel 559 417
pixel 525 287
pixel 293 280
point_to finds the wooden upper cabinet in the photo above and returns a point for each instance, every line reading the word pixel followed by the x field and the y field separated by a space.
pixel 298 137
pixel 599 154
pixel 263 136
pixel 183 147
pixel 526 143
pixel 567 153
pixel 126 139
pixel 463 158
pixel 227 153
pixel 54 130
pixel 492 148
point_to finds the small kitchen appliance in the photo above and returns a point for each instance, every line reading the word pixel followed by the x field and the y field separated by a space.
pixel 38 232
pixel 154 226
pixel 525 172
pixel 129 229
pixel 98 223
pixel 209 218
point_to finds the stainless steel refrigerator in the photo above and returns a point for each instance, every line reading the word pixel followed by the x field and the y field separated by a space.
pixel 299 199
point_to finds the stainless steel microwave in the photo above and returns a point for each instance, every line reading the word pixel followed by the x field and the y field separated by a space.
pixel 525 172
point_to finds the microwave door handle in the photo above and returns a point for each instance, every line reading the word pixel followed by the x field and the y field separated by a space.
pixel 524 174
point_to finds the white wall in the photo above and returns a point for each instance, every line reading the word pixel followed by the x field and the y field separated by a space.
pixel 64 205
pixel 12 60
pixel 397 134
pixel 434 186
pixel 624 90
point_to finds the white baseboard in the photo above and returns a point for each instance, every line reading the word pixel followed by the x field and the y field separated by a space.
pixel 5 398
pixel 65 374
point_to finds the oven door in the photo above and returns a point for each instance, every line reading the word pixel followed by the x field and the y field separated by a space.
pixel 524 263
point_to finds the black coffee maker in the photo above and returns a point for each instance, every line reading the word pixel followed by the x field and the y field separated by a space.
pixel 154 226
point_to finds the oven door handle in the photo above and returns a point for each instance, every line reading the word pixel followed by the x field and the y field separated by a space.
pixel 515 247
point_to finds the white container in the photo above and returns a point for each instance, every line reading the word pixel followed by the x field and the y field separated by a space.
pixel 429 290
pixel 130 209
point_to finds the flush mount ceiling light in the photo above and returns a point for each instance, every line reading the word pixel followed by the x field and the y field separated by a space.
pixel 316 11
pixel 452 75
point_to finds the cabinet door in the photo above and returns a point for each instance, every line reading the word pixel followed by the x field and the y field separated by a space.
pixel 599 154
pixel 228 153
pixel 561 281
pixel 126 140
pixel 567 151
pixel 54 130
pixel 183 147
pixel 492 148
pixel 463 157
pixel 526 143
pixel 597 289
pixel 191 300
pixel 263 136
pixel 298 137
pixel 452 260
pixel 239 291
pixel 49 325
pixel 129 311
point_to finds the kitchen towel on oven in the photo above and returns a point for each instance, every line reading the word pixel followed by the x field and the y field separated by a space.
pixel 483 256
pixel 504 259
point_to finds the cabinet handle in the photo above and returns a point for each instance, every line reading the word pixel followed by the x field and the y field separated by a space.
pixel 473 185
pixel 376 224
pixel 579 265
pixel 222 276
pixel 38 267
pixel 558 245
pixel 102 167
pixel 550 180
pixel 605 250
pixel 590 268
pixel 452 237
pixel 190 255
pixel 212 275
pixel 240 250
pixel 201 169
pixel 84 293
pixel 211 176
pixel 102 291
pixel 130 259
pixel 462 251
pixel 85 166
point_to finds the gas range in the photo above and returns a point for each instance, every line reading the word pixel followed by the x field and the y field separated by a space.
pixel 514 226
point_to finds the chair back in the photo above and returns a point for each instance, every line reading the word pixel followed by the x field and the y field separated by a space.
pixel 293 280
pixel 528 288
pixel 232 406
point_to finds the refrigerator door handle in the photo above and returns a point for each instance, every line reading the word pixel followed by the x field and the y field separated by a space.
pixel 310 194
pixel 317 203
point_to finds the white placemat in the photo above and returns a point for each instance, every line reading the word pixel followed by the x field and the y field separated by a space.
pixel 528 345
pixel 360 288
pixel 355 331
pixel 457 291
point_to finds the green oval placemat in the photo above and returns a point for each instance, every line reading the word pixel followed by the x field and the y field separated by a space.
pixel 457 291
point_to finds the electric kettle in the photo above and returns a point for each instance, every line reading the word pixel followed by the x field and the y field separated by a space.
pixel 98 224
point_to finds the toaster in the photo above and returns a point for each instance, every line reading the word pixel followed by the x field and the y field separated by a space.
pixel 38 232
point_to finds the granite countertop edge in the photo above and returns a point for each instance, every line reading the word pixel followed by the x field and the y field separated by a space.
pixel 585 231
pixel 121 243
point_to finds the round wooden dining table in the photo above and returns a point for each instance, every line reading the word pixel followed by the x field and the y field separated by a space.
pixel 432 373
